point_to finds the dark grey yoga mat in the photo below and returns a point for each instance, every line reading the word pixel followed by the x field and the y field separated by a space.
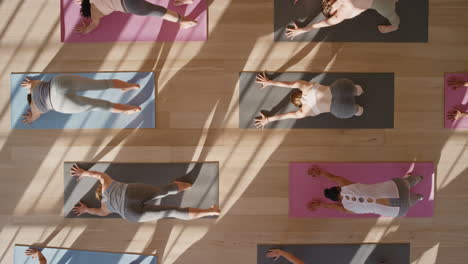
pixel 340 253
pixel 377 100
pixel 203 194
pixel 414 16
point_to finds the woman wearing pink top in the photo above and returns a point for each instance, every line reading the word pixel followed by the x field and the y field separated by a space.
pixel 390 198
pixel 96 9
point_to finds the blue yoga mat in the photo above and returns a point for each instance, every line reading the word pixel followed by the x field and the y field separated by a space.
pixel 69 256
pixel 144 97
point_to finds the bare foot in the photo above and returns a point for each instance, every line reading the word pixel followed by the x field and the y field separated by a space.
pixel 134 110
pixel 387 28
pixel 183 2
pixel 187 23
pixel 183 186
pixel 359 90
pixel 215 210
pixel 134 87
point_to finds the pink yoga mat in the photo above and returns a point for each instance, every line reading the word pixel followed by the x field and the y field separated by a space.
pixel 122 27
pixel 457 98
pixel 304 188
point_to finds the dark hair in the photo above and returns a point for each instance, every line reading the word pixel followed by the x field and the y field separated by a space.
pixel 296 94
pixel 85 8
pixel 29 99
pixel 98 192
pixel 327 7
pixel 333 193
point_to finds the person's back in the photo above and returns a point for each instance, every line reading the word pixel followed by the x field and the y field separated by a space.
pixel 347 9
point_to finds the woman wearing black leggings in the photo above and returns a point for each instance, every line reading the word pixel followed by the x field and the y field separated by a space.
pixel 134 201
pixel 96 9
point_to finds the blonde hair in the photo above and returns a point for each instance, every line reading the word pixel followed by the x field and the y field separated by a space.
pixel 98 192
pixel 296 94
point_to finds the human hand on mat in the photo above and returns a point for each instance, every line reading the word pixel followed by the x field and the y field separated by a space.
pixel 80 209
pixel 182 2
pixel 274 253
pixel 262 121
pixel 27 83
pixel 316 171
pixel 81 28
pixel 456 84
pixel 313 205
pixel 294 32
pixel 263 80
pixel 34 253
pixel 30 117
pixel 455 114
pixel 78 172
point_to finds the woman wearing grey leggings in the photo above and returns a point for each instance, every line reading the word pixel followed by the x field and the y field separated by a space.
pixel 60 94
pixel 390 198
pixel 135 201
pixel 313 99
pixel 97 9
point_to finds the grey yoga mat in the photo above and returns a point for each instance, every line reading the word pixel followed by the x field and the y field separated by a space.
pixel 340 253
pixel 377 100
pixel 414 16
pixel 203 194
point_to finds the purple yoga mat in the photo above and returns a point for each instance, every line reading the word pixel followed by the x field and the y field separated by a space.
pixel 456 98
pixel 304 188
pixel 122 27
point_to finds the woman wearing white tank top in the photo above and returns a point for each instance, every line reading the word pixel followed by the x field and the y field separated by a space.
pixel 313 98
pixel 390 198
pixel 94 10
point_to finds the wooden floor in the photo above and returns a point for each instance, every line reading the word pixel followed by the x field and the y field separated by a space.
pixel 197 116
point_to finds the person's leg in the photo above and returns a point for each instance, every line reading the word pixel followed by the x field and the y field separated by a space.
pixel 414 198
pixel 387 8
pixel 182 2
pixel 144 193
pixel 155 212
pixel 124 86
pixel 144 8
pixel 124 109
pixel 413 180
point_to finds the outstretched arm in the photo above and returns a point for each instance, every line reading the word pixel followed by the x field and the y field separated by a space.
pixel 276 253
pixel 81 208
pixel 265 82
pixel 263 120
pixel 78 172
pixel 331 21
pixel 34 253
pixel 313 205
pixel 316 172
pixel 456 114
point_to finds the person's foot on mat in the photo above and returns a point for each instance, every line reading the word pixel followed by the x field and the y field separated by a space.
pixel 187 23
pixel 215 210
pixel 133 111
pixel 413 179
pixel 359 90
pixel 135 86
pixel 182 186
pixel 387 28
pixel 183 2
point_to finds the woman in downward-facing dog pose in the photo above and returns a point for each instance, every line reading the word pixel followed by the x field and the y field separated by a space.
pixel 97 9
pixel 133 201
pixel 313 98
pixel 61 95
pixel 341 10
pixel 390 198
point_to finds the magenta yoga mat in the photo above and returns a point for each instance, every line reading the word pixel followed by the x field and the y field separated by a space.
pixel 304 188
pixel 123 27
pixel 456 98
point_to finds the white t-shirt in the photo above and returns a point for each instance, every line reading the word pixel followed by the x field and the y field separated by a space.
pixel 108 6
pixel 361 198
